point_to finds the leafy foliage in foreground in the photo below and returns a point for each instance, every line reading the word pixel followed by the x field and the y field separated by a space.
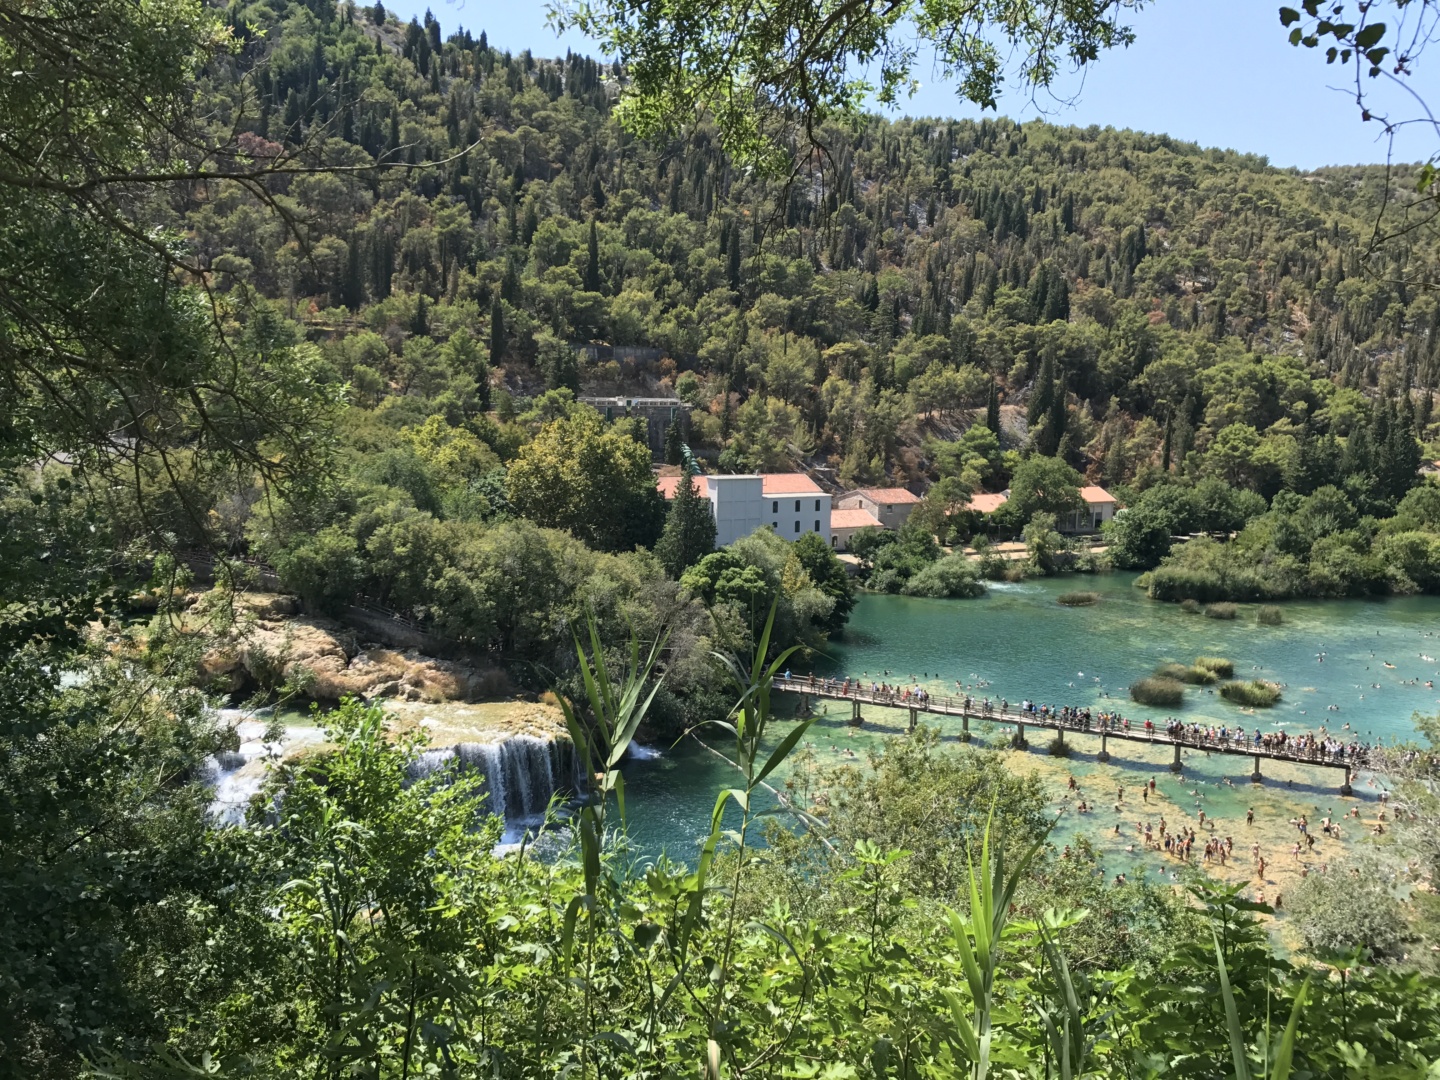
pixel 378 931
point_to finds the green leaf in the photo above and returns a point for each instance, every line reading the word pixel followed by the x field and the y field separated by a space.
pixel 1370 35
pixel 1232 1017
pixel 1288 16
pixel 782 751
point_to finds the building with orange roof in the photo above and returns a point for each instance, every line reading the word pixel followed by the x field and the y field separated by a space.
pixel 891 506
pixel 846 522
pixel 791 504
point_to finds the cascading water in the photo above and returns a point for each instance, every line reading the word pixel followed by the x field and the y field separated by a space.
pixel 521 773
pixel 238 774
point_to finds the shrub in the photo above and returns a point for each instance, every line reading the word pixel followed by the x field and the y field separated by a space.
pixel 1078 599
pixel 1269 615
pixel 1058 748
pixel 1256 693
pixel 952 576
pixel 1220 611
pixel 1218 664
pixel 1190 607
pixel 1158 691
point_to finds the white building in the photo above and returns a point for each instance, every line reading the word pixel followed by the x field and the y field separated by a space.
pixel 790 503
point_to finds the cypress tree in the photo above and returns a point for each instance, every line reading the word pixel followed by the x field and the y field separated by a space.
pixel 352 292
pixel 497 333
pixel 732 258
pixel 592 261
pixel 689 533
pixel 1169 436
pixel 1043 393
pixel 1048 441
pixel 674 444
pixel 420 323
pixel 992 409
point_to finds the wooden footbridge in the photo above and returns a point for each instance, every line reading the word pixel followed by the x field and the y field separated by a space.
pixel 968 708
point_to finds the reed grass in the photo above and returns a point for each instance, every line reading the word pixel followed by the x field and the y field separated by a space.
pixel 1194 675
pixel 1269 615
pixel 1255 693
pixel 1154 690
pixel 1190 607
pixel 1078 599
pixel 1221 611
pixel 1222 667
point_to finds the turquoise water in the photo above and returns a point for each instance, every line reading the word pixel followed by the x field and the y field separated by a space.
pixel 1017 642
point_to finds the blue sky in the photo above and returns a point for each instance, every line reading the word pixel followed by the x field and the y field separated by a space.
pixel 1216 72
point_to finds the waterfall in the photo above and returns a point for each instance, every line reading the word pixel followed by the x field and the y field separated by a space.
pixel 237 775
pixel 520 773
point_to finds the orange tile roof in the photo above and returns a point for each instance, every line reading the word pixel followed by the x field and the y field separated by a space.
pixel 789 483
pixel 670 485
pixel 888 496
pixel 853 518
pixel 1092 494
pixel 985 503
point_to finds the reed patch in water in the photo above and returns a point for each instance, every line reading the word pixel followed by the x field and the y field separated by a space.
pixel 1155 690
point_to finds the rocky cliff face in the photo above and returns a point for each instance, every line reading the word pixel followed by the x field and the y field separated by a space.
pixel 271 646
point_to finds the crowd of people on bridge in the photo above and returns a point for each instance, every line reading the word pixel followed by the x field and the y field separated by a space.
pixel 1323 746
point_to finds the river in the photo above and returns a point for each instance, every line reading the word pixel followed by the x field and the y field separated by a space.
pixel 1018 642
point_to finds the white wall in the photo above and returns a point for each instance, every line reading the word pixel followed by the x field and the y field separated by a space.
pixel 736 503
pixel 792 516
pixel 741 506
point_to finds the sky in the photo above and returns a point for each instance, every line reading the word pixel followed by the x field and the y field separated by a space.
pixel 1216 72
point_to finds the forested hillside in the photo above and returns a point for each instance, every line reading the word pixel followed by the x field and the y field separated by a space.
pixel 1144 283
pixel 927 301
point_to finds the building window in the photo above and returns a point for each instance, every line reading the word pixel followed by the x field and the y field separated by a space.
pixel 834 541
pixel 797 506
pixel 775 507
pixel 817 526
pixel 797 526
pixel 775 525
pixel 817 505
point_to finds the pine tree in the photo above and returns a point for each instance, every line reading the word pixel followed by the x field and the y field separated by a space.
pixel 992 409
pixel 689 533
pixel 592 261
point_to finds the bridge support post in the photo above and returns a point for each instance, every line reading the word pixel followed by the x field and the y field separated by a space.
pixel 1255 776
pixel 804 704
pixel 1060 736
pixel 1018 742
pixel 1175 765
pixel 912 717
pixel 1345 788
pixel 855 718
pixel 1104 754
pixel 964 727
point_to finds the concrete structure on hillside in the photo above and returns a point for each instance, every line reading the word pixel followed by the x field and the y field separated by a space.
pixel 657 413
pixel 845 523
pixel 891 506
pixel 790 503
pixel 1099 508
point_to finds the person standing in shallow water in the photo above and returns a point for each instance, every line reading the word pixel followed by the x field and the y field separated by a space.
pixel 1250 816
